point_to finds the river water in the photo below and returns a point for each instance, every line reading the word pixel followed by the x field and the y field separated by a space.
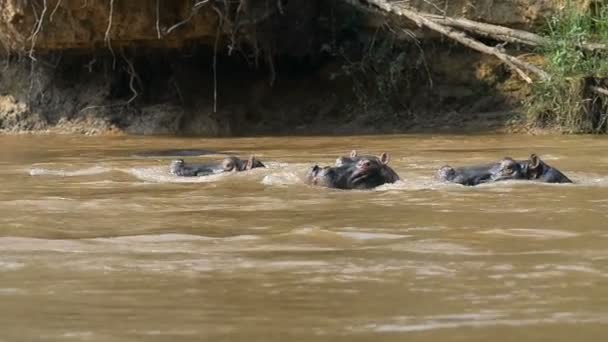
pixel 99 243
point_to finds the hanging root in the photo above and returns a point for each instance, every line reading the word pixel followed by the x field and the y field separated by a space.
pixel 158 19
pixel 107 38
pixel 280 7
pixel 39 22
pixel 133 77
pixel 55 10
pixel 193 11
pixel 215 46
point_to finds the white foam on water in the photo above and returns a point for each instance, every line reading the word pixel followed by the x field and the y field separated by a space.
pixel 282 179
pixel 531 233
pixel 413 324
pixel 365 236
pixel 94 170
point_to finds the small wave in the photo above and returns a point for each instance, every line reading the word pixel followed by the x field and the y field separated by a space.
pixel 364 236
pixel 108 244
pixel 10 265
pixel 281 179
pixel 412 324
pixel 532 233
pixel 153 238
pixel 94 170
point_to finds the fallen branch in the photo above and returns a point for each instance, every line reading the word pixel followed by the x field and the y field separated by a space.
pixel 497 32
pixel 602 91
pixel 503 33
pixel 489 30
pixel 458 36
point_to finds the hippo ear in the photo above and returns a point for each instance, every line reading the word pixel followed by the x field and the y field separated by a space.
pixel 250 162
pixel 353 153
pixel 384 158
pixel 534 161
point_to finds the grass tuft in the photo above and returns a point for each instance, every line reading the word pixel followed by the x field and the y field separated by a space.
pixel 567 100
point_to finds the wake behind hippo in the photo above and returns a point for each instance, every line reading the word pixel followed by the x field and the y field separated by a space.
pixel 507 169
pixel 230 164
pixel 354 172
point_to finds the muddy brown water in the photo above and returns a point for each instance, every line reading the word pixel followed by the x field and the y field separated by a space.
pixel 99 243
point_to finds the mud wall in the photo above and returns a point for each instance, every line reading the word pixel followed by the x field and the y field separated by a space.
pixel 224 67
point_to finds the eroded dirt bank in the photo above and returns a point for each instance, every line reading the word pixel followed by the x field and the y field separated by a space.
pixel 246 67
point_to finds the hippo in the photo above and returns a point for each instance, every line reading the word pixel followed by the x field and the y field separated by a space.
pixel 507 169
pixel 230 164
pixel 355 172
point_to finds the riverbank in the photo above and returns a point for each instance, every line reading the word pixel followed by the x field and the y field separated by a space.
pixel 336 71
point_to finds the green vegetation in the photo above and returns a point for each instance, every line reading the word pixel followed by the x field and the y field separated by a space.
pixel 570 100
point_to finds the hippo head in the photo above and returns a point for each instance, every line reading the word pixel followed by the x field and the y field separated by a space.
pixel 353 173
pixel 235 164
pixel 176 166
pixel 508 169
pixel 534 167
pixel 369 170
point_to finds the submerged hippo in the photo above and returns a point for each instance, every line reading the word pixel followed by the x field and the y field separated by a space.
pixel 506 169
pixel 180 168
pixel 356 172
